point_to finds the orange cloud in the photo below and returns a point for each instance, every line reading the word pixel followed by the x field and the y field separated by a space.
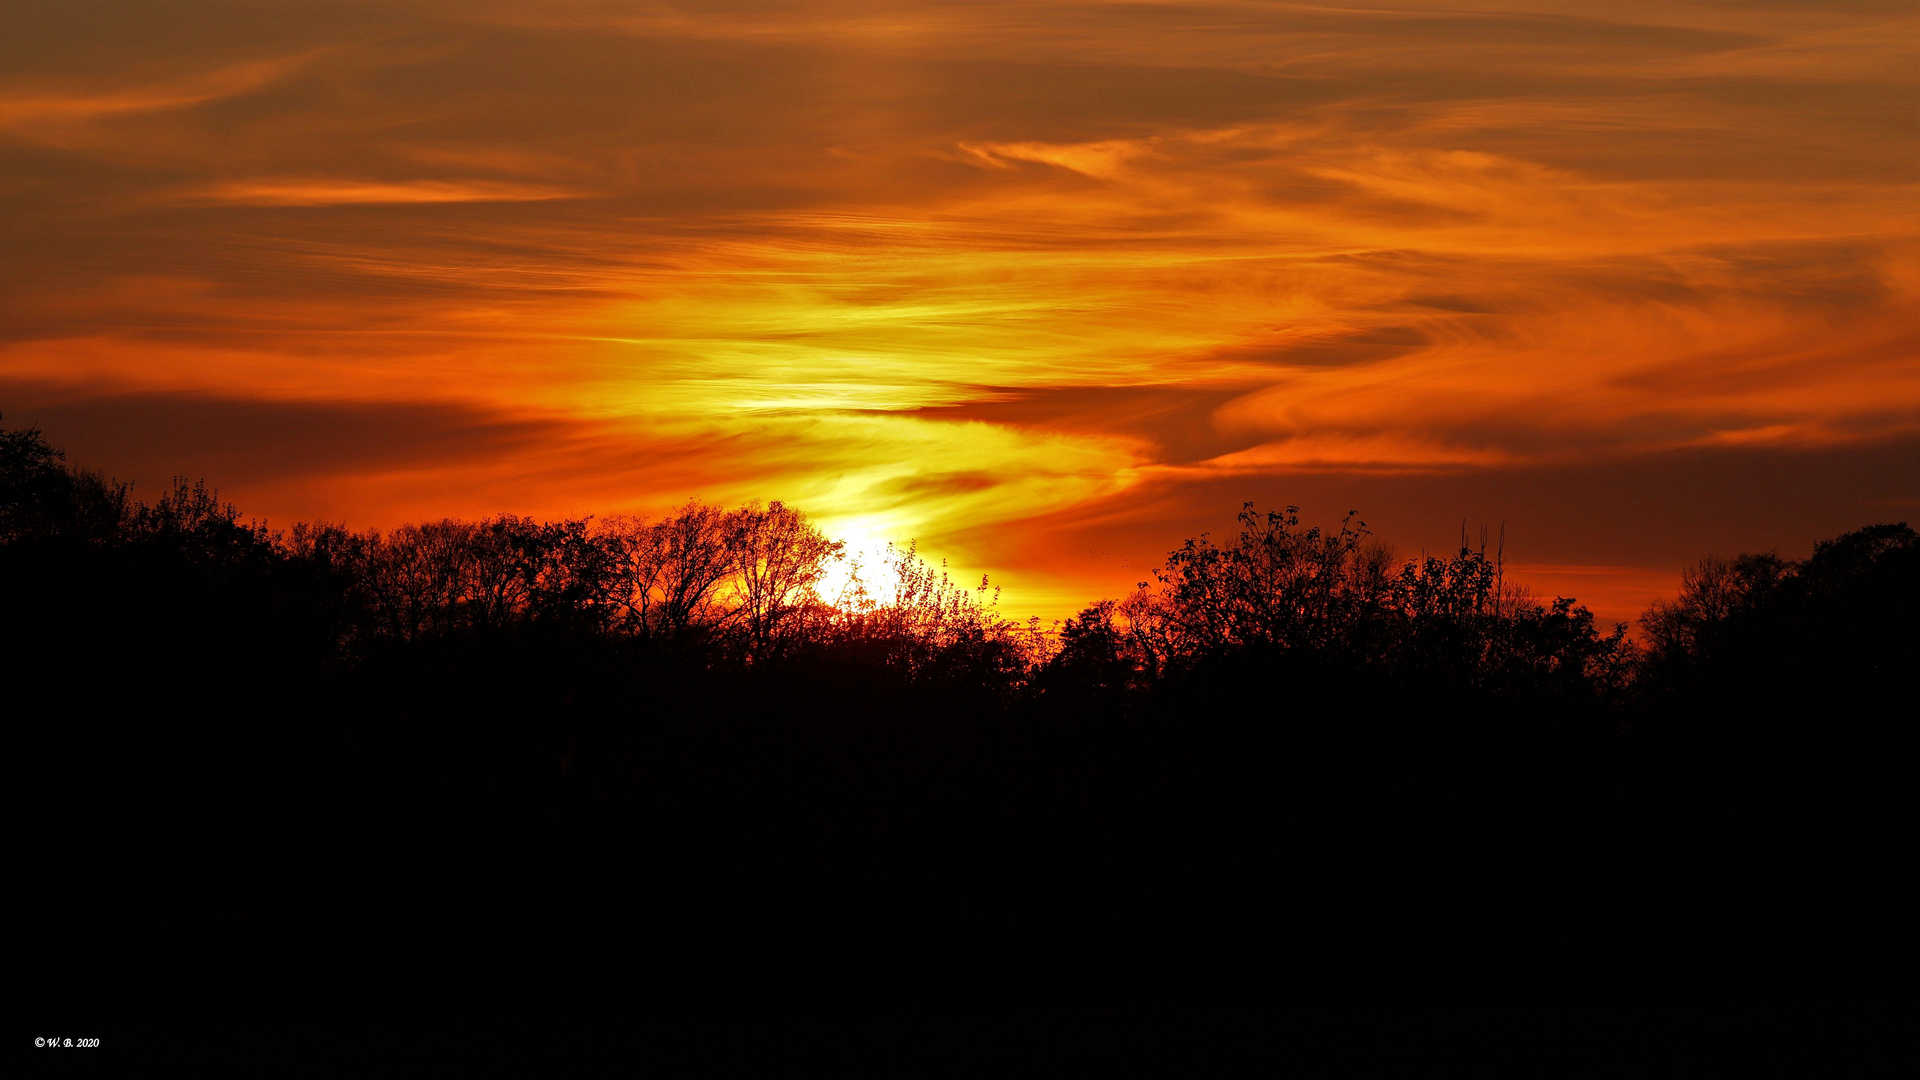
pixel 329 192
pixel 39 112
pixel 984 274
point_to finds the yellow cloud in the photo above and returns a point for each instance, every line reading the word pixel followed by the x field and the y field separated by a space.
pixel 764 252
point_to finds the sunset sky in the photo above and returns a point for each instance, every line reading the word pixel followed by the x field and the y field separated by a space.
pixel 1045 286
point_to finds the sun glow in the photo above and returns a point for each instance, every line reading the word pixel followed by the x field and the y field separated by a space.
pixel 983 276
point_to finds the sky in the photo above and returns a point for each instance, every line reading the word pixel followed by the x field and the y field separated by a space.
pixel 1046 287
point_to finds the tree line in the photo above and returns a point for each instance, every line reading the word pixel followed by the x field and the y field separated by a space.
pixel 706 757
pixel 745 585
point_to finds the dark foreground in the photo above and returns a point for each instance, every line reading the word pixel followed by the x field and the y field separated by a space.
pixel 232 813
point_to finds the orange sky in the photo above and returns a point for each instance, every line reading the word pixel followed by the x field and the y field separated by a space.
pixel 1046 286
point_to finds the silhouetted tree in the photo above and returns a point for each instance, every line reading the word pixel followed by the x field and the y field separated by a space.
pixel 1755 629
pixel 1095 657
pixel 40 497
pixel 1276 587
pixel 1712 592
pixel 694 559
pixel 780 558
pixel 34 486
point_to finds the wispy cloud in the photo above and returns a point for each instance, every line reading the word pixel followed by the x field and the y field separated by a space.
pixel 55 114
pixel 1099 159
pixel 980 273
pixel 339 192
pixel 1398 453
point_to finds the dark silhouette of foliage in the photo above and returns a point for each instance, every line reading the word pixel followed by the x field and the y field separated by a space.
pixel 1834 635
pixel 41 499
pixel 33 484
pixel 609 763
pixel 1336 605
pixel 780 558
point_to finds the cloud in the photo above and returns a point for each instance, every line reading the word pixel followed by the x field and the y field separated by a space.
pixel 965 272
pixel 25 107
pixel 333 192
pixel 1099 159
pixel 65 115
pixel 1330 347
pixel 1341 452
pixel 251 442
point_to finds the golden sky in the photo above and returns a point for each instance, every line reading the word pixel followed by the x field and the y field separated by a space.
pixel 1045 286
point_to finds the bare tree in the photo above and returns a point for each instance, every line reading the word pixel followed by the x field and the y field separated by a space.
pixel 779 558
pixel 1711 592
pixel 417 577
pixel 664 575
